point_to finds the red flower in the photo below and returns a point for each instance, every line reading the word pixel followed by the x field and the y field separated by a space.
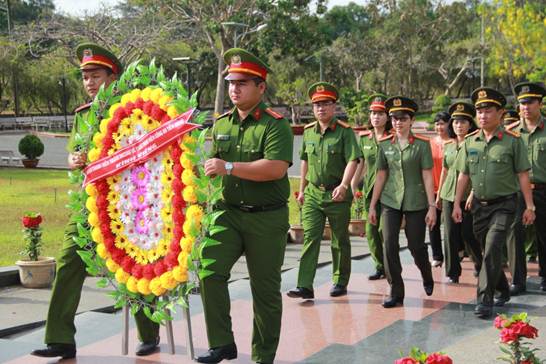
pixel 521 328
pixel 296 195
pixel 406 360
pixel 499 322
pixel 508 335
pixel 137 271
pixel 31 221
pixel 148 271
pixel 358 194
pixel 159 268
pixel 437 358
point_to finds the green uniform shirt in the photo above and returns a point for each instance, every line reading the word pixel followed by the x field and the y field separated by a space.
pixel 451 150
pixel 327 154
pixel 536 149
pixel 493 166
pixel 404 188
pixel 263 134
pixel 369 147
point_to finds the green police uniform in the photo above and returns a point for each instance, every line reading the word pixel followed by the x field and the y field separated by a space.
pixel 327 154
pixel 71 270
pixel 457 235
pixel 256 218
pixel 492 167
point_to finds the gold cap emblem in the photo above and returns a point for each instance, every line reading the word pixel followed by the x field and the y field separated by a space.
pixel 460 107
pixel 525 89
pixel 397 102
pixel 236 59
pixel 320 88
pixel 88 52
pixel 482 94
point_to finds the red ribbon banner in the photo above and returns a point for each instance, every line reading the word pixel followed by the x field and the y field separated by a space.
pixel 141 150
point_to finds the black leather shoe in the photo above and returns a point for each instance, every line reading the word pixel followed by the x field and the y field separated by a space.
pixel 483 311
pixel 453 279
pixel 516 289
pixel 543 284
pixel 147 348
pixel 301 292
pixel 338 290
pixel 65 351
pixel 500 301
pixel 377 275
pixel 216 355
pixel 429 287
pixel 393 302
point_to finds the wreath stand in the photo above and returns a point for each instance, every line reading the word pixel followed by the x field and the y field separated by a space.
pixel 186 317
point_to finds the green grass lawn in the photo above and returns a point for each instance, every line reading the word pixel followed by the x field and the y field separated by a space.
pixel 45 191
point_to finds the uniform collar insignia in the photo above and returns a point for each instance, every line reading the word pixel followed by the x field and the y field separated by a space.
pixel 500 135
pixel 257 114
pixel 411 139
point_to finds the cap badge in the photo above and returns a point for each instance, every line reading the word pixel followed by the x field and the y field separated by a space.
pixel 397 102
pixel 236 59
pixel 460 107
pixel 482 94
pixel 378 99
pixel 525 89
pixel 88 52
pixel 320 88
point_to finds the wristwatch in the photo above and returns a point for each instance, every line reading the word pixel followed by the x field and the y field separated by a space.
pixel 532 208
pixel 229 167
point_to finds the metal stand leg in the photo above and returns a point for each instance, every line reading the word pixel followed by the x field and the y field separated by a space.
pixel 189 337
pixel 125 334
pixel 170 336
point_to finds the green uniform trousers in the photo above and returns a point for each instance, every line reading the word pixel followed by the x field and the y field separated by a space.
pixel 539 198
pixel 415 230
pixel 65 297
pixel 491 225
pixel 318 206
pixel 261 237
pixel 459 237
pixel 516 246
pixel 374 236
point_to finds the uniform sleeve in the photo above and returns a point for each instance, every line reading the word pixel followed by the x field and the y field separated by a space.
pixel 279 141
pixel 426 156
pixel 381 162
pixel 444 161
pixel 351 148
pixel 521 160
pixel 461 165
pixel 303 153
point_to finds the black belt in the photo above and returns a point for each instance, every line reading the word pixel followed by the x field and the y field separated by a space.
pixel 538 186
pixel 251 208
pixel 324 187
pixel 495 200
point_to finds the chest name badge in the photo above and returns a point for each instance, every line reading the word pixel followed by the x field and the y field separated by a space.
pixel 389 152
pixel 222 137
pixel 368 147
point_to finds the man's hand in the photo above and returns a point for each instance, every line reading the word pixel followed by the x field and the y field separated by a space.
pixel 457 214
pixel 77 160
pixel 215 167
pixel 372 216
pixel 430 219
pixel 301 198
pixel 528 217
pixel 468 204
pixel 338 194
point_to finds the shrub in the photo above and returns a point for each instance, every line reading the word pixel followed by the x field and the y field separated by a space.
pixel 441 103
pixel 31 146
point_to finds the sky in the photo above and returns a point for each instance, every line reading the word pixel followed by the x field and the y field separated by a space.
pixel 79 7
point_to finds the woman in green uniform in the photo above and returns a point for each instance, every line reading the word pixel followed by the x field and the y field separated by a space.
pixel 457 235
pixel 381 125
pixel 405 186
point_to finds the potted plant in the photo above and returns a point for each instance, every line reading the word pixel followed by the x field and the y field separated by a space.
pixel 31 147
pixel 35 271
pixel 357 223
pixel 296 231
pixel 514 332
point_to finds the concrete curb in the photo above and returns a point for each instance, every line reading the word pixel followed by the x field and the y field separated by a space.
pixel 9 276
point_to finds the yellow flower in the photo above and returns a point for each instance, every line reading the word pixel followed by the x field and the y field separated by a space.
pixel 172 112
pixel 125 99
pixel 122 276
pixel 125 130
pixel 195 212
pixel 145 94
pixel 93 219
pixel 140 258
pixel 166 214
pixel 116 227
pixel 93 154
pixel 148 123
pixel 113 197
pixel 121 241
pixel 189 194
pixel 188 143
pixel 188 177
pixel 156 287
pixel 132 284
pixel 166 196
pixel 186 163
pixel 102 251
pixel 97 139
pixel 135 94
pixel 111 265
pixel 113 109
pixel 161 249
pixel 96 235
pixel 163 101
pixel 187 227
pixel 104 126
pixel 152 255
pixel 186 243
pixel 166 179
pixel 156 94
pixel 144 286
pixel 183 260
pixel 180 274
pixel 91 190
pixel 91 204
pixel 168 281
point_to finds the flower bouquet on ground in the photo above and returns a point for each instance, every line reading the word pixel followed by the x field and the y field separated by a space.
pixel 417 356
pixel 357 223
pixel 296 231
pixel 513 332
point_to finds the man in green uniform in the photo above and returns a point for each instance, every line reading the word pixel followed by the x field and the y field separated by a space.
pixel 98 67
pixel 380 126
pixel 510 117
pixel 494 160
pixel 329 157
pixel 531 129
pixel 252 150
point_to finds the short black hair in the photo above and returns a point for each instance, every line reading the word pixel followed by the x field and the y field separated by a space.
pixel 258 80
pixel 442 115
pixel 451 131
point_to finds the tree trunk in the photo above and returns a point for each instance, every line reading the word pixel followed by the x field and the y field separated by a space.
pixel 457 77
pixel 219 98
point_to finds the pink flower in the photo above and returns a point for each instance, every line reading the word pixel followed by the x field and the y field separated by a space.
pixel 500 321
pixel 138 199
pixel 508 335
pixel 406 360
pixel 141 223
pixel 140 176
pixel 437 358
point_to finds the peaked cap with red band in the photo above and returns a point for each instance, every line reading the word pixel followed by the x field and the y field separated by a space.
pixel 243 65
pixel 486 96
pixel 321 91
pixel 93 54
pixel 377 102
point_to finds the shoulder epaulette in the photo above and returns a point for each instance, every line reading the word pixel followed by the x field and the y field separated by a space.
pixel 386 137
pixel 365 133
pixel 83 107
pixel 512 126
pixel 421 137
pixel 273 113
pixel 512 133
pixel 473 133
pixel 310 125
pixel 449 141
pixel 343 124
pixel 225 114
